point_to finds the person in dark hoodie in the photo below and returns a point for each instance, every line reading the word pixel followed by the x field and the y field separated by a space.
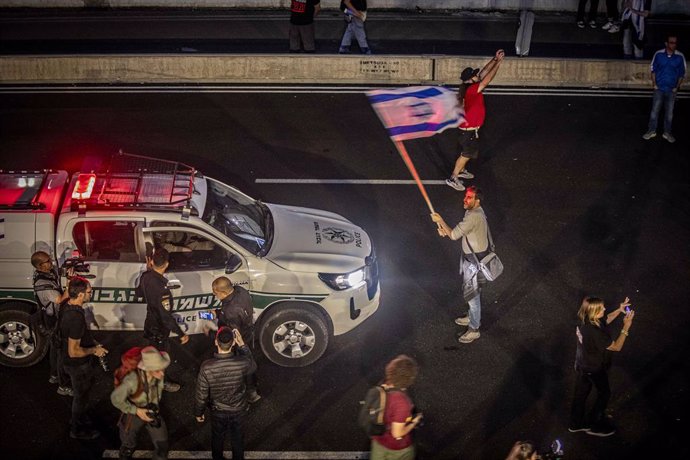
pixel 221 386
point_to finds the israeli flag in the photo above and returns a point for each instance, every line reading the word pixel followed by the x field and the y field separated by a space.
pixel 417 111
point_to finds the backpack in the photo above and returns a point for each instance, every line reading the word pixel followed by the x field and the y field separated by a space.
pixel 130 360
pixel 372 410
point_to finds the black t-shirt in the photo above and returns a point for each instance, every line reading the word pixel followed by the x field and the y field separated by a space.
pixel 592 354
pixel 302 12
pixel 359 5
pixel 73 326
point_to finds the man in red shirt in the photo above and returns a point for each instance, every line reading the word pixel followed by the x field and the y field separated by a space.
pixel 396 442
pixel 471 99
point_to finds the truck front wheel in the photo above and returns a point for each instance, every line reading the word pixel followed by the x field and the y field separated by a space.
pixel 20 345
pixel 294 336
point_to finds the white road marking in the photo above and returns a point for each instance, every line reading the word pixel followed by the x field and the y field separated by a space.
pixel 286 89
pixel 349 181
pixel 258 455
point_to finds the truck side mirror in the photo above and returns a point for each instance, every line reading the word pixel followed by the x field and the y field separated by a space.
pixel 233 263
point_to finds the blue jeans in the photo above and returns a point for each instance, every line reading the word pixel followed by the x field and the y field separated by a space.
pixel 355 27
pixel 475 311
pixel 221 423
pixel 668 99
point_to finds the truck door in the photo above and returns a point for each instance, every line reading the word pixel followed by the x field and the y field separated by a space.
pixel 112 248
pixel 196 259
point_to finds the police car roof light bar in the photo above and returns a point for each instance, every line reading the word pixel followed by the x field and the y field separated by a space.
pixel 22 189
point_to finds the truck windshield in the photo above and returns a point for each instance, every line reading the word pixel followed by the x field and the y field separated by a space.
pixel 246 221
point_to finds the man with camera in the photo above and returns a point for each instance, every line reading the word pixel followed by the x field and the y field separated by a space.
pixel 49 296
pixel 153 287
pixel 78 346
pixel 236 309
pixel 138 398
pixel 221 386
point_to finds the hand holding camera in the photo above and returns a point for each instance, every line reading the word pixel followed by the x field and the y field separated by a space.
pixel 238 338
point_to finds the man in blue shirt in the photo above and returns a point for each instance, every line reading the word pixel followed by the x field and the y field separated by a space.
pixel 668 70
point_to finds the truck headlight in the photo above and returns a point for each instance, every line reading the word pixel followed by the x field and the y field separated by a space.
pixel 342 281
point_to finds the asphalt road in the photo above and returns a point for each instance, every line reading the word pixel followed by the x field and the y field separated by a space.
pixel 578 204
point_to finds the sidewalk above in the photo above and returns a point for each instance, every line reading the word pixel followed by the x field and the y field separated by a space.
pixel 265 32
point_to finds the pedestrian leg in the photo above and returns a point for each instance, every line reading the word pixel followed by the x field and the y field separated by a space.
pixel 360 35
pixel 475 311
pixel 346 41
pixel 583 385
pixel 219 428
pixel 601 382
pixel 236 436
pixel 657 101
pixel 159 437
pixel 669 103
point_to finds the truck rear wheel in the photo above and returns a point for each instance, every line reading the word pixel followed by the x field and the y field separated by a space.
pixel 20 345
pixel 294 336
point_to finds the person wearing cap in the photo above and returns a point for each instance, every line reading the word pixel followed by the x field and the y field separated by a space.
pixel 159 320
pixel 471 100
pixel 138 392
pixel 221 386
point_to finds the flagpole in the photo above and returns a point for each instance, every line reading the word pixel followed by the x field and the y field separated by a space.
pixel 408 162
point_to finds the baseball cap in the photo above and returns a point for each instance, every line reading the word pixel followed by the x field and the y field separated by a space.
pixel 468 73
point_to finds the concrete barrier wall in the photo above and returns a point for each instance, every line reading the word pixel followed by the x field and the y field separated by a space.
pixel 377 70
pixel 658 6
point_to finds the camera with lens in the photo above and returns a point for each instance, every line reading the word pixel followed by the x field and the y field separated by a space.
pixel 555 452
pixel 103 362
pixel 154 413
pixel 77 264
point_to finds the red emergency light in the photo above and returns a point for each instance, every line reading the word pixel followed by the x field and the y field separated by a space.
pixel 84 186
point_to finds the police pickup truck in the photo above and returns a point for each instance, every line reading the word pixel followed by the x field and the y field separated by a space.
pixel 311 274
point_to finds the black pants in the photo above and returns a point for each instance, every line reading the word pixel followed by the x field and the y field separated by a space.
pixel 583 386
pixel 593 5
pixel 56 366
pixel 612 9
pixel 82 380
pixel 221 424
pixel 129 427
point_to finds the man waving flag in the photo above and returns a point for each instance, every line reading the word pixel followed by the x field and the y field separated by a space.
pixel 416 111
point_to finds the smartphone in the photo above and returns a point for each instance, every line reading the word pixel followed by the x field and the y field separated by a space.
pixel 206 315
pixel 627 309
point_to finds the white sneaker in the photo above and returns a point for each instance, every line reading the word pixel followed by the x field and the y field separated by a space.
pixel 649 135
pixel 463 320
pixel 465 174
pixel 669 137
pixel 608 25
pixel 455 183
pixel 470 336
pixel 593 24
pixel 614 29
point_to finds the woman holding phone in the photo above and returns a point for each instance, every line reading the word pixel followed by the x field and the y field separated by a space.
pixel 592 363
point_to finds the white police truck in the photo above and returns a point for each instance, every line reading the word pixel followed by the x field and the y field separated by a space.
pixel 311 274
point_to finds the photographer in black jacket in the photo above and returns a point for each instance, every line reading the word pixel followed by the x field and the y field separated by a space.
pixel 236 310
pixel 49 296
pixel 221 385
